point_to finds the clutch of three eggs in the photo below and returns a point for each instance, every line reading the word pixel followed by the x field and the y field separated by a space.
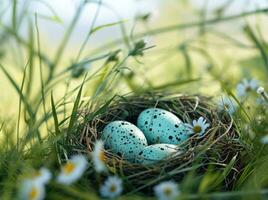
pixel 155 138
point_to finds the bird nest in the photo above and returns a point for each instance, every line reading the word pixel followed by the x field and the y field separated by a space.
pixel 220 148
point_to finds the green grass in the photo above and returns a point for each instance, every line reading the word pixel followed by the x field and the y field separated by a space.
pixel 50 93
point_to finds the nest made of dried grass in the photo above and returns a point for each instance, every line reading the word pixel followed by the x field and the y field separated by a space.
pixel 216 148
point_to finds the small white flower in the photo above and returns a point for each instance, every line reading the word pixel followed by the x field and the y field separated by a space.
pixel 260 90
pixel 42 176
pixel 198 126
pixel 31 190
pixel 264 139
pixel 226 104
pixel 263 94
pixel 167 190
pixel 246 86
pixel 112 187
pixel 72 170
pixel 99 157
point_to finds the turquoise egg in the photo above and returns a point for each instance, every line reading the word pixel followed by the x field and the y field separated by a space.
pixel 156 152
pixel 161 126
pixel 124 139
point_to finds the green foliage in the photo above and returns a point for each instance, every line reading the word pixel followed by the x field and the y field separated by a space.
pixel 51 93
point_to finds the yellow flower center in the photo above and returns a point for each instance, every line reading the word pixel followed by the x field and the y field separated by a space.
pixel 68 167
pixel 248 89
pixel 101 156
pixel 112 188
pixel 167 191
pixel 33 193
pixel 197 129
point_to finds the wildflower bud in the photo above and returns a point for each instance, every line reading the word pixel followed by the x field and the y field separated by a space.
pixel 260 90
pixel 113 57
pixel 77 72
pixel 138 48
pixel 144 17
pixel 140 44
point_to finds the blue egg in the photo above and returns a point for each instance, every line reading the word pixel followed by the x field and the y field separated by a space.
pixel 157 152
pixel 161 126
pixel 124 139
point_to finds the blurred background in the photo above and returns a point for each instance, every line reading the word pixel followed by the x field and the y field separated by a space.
pixel 203 54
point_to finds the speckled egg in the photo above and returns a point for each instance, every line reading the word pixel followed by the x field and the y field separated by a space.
pixel 156 152
pixel 161 126
pixel 124 139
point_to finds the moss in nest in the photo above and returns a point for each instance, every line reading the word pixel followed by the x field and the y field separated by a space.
pixel 219 149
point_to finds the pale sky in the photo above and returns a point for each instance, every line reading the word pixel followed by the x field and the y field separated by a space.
pixel 126 9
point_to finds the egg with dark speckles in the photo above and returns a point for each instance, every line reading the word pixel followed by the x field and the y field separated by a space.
pixel 124 139
pixel 161 126
pixel 157 152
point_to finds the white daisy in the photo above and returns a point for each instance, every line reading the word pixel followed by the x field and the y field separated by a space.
pixel 246 86
pixel 167 190
pixel 31 190
pixel 99 157
pixel 112 187
pixel 226 104
pixel 264 139
pixel 72 170
pixel 198 126
pixel 42 176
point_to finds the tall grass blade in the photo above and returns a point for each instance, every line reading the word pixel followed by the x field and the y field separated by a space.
pixel 17 88
pixel 55 117
pixel 74 116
